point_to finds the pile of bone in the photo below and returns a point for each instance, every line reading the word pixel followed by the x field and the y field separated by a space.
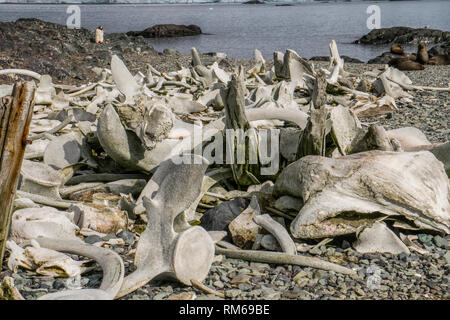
pixel 95 147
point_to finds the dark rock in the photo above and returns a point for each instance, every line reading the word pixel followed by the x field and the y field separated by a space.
pixel 345 244
pixel 127 236
pixel 346 59
pixel 219 217
pixel 253 2
pixel 167 31
pixel 92 239
pixel 384 58
pixel 404 35
pixel 440 49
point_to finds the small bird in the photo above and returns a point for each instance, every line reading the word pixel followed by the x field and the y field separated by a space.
pixel 99 35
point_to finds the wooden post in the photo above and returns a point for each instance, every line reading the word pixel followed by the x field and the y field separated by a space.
pixel 15 117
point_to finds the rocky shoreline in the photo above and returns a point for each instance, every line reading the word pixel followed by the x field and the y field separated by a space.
pixel 46 48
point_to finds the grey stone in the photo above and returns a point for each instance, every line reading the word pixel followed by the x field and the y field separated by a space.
pixel 288 203
pixel 92 239
pixel 232 293
pixel 440 242
pixel 127 237
pixel 425 238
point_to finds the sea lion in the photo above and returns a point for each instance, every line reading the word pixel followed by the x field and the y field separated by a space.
pixel 397 49
pixel 422 54
pixel 99 35
pixel 405 64
pixel 410 56
pixel 440 60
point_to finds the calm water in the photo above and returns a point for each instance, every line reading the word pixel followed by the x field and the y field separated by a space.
pixel 238 29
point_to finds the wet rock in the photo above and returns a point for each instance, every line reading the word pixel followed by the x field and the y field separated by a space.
pixel 167 31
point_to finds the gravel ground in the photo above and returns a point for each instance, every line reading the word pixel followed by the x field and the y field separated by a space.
pixel 380 276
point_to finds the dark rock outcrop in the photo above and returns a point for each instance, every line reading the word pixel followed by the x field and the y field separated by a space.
pixel 404 35
pixel 167 31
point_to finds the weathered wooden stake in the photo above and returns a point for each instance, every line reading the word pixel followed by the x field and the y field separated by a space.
pixel 15 117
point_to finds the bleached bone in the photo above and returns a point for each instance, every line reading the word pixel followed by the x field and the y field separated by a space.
pixel 23 72
pixel 243 228
pixel 45 91
pixel 409 137
pixel 17 257
pixel 62 204
pixel 100 218
pixel 43 125
pixel 51 263
pixel 278 231
pixel 126 148
pixel 41 179
pixel 196 61
pixel 210 179
pixel 166 246
pixel 64 150
pixel 440 150
pixel 123 79
pixel 379 238
pixel 110 262
pixel 53 130
pixel 30 223
pixel 337 62
pixel 283 258
pixel 369 184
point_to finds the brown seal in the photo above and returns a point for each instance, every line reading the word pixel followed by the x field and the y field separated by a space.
pixel 440 60
pixel 410 56
pixel 422 54
pixel 397 49
pixel 405 64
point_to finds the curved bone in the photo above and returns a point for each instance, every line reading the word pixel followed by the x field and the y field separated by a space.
pixel 110 262
pixel 23 72
pixel 283 258
pixel 278 231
